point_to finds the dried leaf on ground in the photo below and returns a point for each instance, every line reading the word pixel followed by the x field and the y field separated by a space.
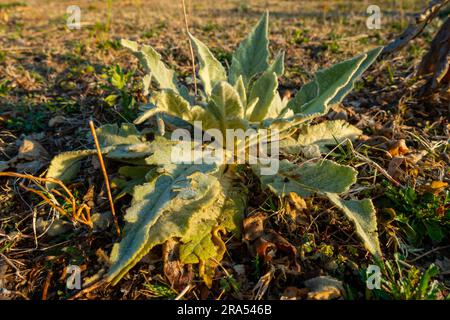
pixel 178 274
pixel 324 288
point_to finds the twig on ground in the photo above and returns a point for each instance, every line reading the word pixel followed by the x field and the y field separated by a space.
pixel 416 28
pixel 88 289
pixel 427 253
pixel 185 290
pixel 46 285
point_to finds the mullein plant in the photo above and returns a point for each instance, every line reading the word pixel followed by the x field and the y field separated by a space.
pixel 196 203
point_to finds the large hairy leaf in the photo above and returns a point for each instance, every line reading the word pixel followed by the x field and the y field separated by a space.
pixel 321 177
pixel 371 56
pixel 330 82
pixel 230 203
pixel 129 152
pixel 252 55
pixel 362 214
pixel 265 89
pixel 277 65
pixel 200 247
pixel 211 70
pixel 240 88
pixel 327 133
pixel 132 176
pixel 119 143
pixel 307 93
pixel 66 165
pixel 235 201
pixel 168 102
pixel 151 61
pixel 168 207
pixel 112 135
pixel 166 155
pixel 226 108
pixel 278 109
pixel 308 178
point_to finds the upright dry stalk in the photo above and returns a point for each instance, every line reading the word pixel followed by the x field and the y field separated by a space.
pixel 109 9
pixel 190 46
pixel 105 175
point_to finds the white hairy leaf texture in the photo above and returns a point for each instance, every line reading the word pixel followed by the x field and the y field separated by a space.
pixel 309 178
pixel 211 70
pixel 168 207
pixel 327 133
pixel 226 108
pixel 362 214
pixel 66 165
pixel 252 55
pixel 265 89
pixel 155 68
pixel 331 85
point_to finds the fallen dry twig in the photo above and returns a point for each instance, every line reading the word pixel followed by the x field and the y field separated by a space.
pixel 415 28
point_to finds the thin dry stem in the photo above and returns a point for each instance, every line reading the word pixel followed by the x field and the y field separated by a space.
pixel 80 214
pixel 105 175
pixel 190 47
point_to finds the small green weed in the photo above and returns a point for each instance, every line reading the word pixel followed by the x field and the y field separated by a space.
pixel 120 82
pixel 399 282
pixel 420 217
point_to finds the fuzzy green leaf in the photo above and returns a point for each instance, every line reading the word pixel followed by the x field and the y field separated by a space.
pixel 201 246
pixel 151 61
pixel 116 143
pixel 330 83
pixel 211 70
pixel 290 146
pixel 265 88
pixel 226 108
pixel 308 178
pixel 66 165
pixel 231 203
pixel 168 102
pixel 277 65
pixel 278 108
pixel 137 175
pixel 235 202
pixel 362 214
pixel 252 55
pixel 111 135
pixel 327 133
pixel 165 156
pixel 132 151
pixel 371 56
pixel 240 88
pixel 307 93
pixel 168 207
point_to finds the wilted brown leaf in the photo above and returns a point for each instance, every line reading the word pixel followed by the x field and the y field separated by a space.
pixel 178 274
pixel 254 226
pixel 394 168
pixel 398 148
pixel 294 293
pixel 324 288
